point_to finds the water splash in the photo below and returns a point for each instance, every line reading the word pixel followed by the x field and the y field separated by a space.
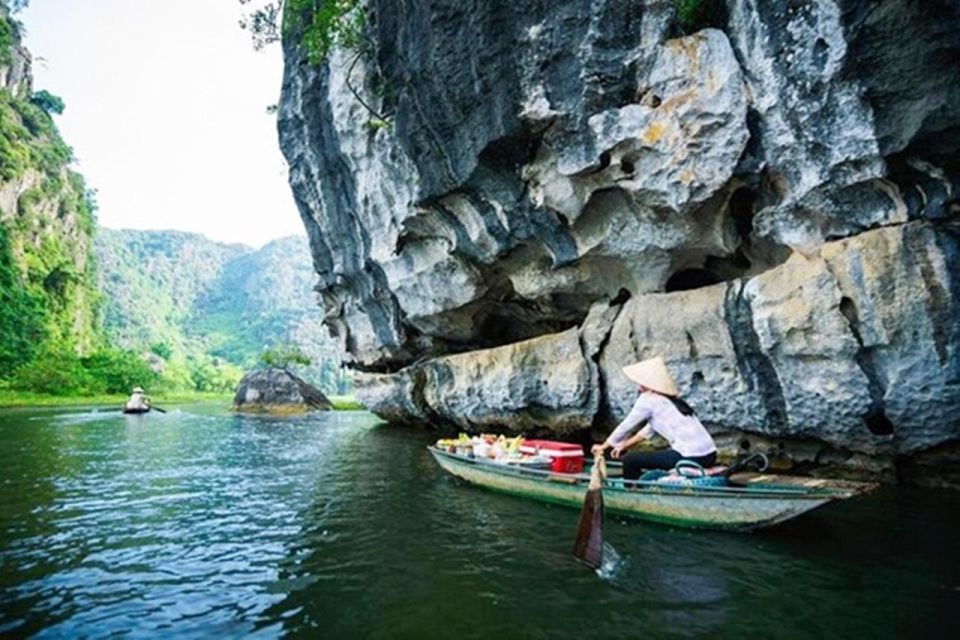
pixel 82 417
pixel 612 564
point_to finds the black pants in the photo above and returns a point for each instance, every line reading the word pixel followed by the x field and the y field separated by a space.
pixel 635 463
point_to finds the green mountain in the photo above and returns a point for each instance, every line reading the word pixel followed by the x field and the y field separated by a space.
pixel 202 311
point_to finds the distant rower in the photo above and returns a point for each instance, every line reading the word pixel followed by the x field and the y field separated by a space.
pixel 139 402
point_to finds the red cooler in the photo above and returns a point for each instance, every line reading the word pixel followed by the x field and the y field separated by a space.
pixel 564 457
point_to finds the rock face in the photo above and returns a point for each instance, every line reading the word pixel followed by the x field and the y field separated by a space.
pixel 769 202
pixel 277 391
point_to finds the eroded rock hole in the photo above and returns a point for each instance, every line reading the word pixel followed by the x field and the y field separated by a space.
pixel 742 206
pixel 849 311
pixel 604 161
pixel 878 423
pixel 691 278
pixel 621 298
pixel 513 318
pixel 821 53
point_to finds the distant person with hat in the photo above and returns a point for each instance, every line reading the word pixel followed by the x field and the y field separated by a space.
pixel 138 402
pixel 666 414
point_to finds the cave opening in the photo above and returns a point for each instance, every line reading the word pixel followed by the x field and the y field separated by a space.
pixel 691 278
pixel 741 208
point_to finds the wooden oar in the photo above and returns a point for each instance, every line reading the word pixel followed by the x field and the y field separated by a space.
pixel 152 408
pixel 588 547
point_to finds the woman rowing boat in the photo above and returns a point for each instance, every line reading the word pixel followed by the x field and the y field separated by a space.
pixel 139 402
pixel 666 414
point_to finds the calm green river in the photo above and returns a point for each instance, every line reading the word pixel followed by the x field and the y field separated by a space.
pixel 202 524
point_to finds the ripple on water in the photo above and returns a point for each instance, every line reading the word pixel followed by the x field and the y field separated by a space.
pixel 202 523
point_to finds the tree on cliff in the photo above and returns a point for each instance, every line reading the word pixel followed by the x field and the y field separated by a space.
pixel 322 24
pixel 48 102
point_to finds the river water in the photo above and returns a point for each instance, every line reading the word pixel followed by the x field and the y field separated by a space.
pixel 198 523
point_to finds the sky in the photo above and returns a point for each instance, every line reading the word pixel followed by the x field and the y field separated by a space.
pixel 166 110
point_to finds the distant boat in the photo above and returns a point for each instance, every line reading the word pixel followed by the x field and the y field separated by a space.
pixel 136 411
pixel 755 501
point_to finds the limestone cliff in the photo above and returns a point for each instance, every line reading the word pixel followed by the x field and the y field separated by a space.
pixel 561 188
pixel 47 289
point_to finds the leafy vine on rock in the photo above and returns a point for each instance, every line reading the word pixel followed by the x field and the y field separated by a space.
pixel 321 25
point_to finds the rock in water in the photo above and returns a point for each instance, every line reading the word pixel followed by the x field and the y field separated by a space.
pixel 769 201
pixel 277 391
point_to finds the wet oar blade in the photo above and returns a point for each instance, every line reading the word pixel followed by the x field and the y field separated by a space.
pixel 588 547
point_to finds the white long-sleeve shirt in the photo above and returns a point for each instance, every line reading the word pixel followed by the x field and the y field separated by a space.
pixel 686 435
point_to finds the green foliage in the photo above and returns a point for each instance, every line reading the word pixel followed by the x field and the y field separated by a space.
pixel 10 30
pixel 14 398
pixel 58 371
pixel 344 403
pixel 14 140
pixel 117 371
pixel 320 25
pixel 8 37
pixel 47 291
pixel 23 314
pixel 378 124
pixel 162 349
pixel 29 139
pixel 694 15
pixel 216 376
pixel 332 23
pixel 47 101
pixel 284 357
pixel 215 307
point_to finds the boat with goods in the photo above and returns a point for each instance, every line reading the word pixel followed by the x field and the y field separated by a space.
pixel 685 497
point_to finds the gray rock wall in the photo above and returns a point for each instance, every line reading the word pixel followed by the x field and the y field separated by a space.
pixel 561 188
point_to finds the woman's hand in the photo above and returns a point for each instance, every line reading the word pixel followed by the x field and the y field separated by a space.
pixel 598 449
pixel 618 451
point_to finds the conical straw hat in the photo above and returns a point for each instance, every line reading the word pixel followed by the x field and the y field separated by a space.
pixel 652 374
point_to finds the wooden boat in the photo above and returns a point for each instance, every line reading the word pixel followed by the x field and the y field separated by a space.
pixel 763 501
pixel 136 411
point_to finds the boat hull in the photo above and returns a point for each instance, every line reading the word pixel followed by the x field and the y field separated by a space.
pixel 730 508
pixel 136 411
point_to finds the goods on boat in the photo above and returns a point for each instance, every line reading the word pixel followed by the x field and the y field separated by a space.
pixel 537 454
pixel 677 497
pixel 564 457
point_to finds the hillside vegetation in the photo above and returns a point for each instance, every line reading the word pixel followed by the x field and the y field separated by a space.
pixel 49 340
pixel 173 312
pixel 203 312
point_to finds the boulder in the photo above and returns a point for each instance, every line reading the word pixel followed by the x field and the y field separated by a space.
pixel 277 391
